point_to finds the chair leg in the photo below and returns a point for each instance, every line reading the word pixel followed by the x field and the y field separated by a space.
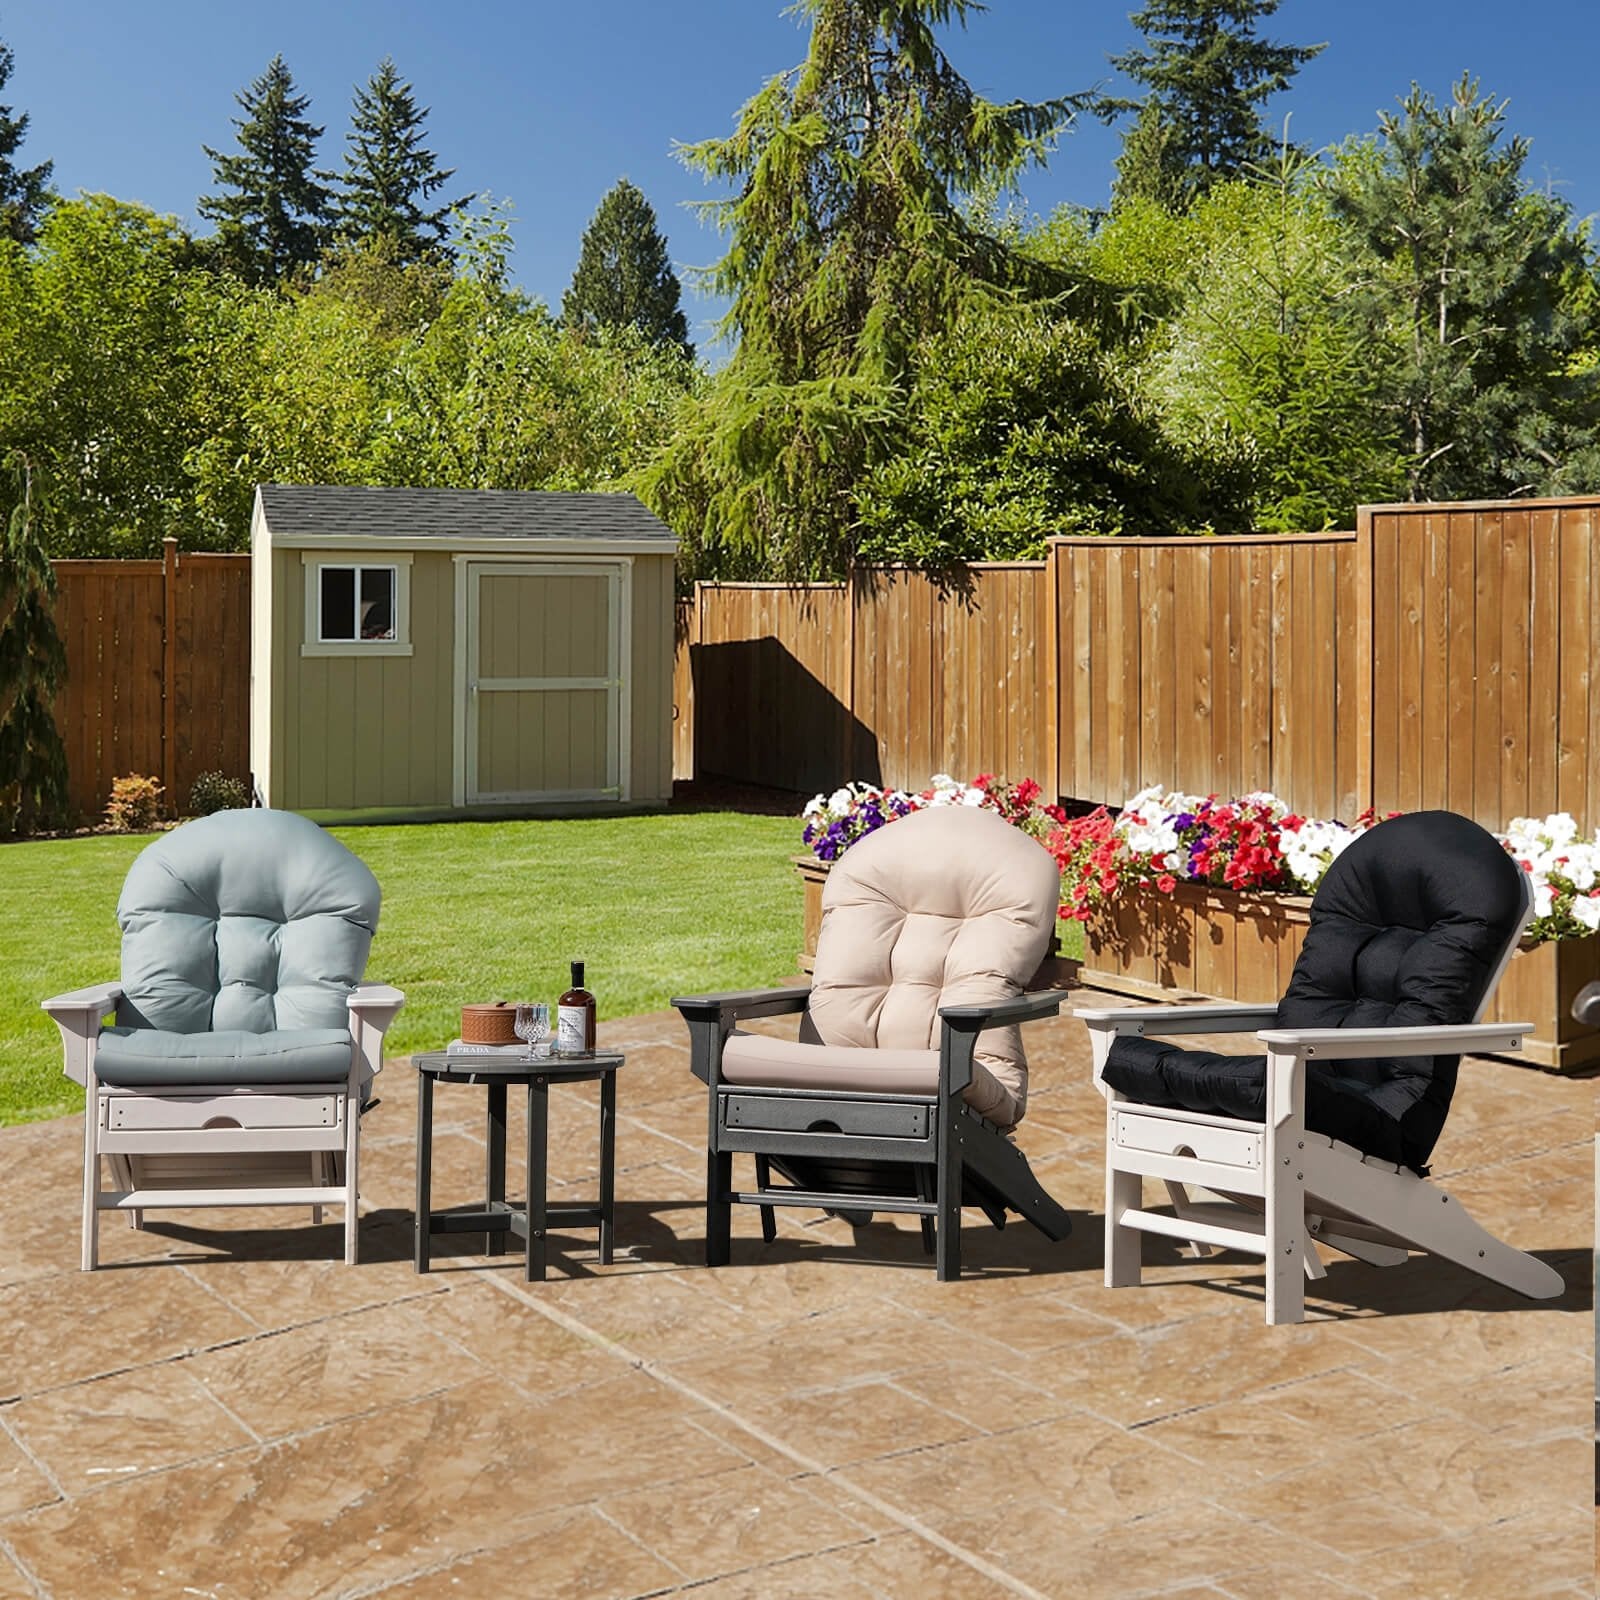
pixel 1124 1246
pixel 1285 1240
pixel 91 1178
pixel 352 1209
pixel 947 1185
pixel 925 1192
pixel 719 1208
pixel 769 1214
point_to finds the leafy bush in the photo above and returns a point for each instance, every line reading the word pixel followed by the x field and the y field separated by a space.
pixel 216 791
pixel 134 804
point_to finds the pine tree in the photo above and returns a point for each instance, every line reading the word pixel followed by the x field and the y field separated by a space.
pixel 1482 290
pixel 848 246
pixel 1206 75
pixel 273 211
pixel 24 192
pixel 624 279
pixel 33 665
pixel 390 175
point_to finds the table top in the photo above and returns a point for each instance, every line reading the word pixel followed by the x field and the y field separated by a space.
pixel 514 1069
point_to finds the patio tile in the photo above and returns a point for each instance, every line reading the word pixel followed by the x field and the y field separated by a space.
pixel 518 1345
pixel 1527 1555
pixel 988 1401
pixel 83 1324
pixel 904 1564
pixel 804 1578
pixel 731 1522
pixel 97 1433
pixel 275 1291
pixel 352 1506
pixel 857 1422
pixel 1173 1369
pixel 1277 1580
pixel 1078 1470
pixel 22 1485
pixel 573 1554
pixel 285 1383
pixel 13 1586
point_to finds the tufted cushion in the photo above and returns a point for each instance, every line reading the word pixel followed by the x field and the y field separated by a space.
pixel 144 1057
pixel 949 906
pixel 244 921
pixel 1408 929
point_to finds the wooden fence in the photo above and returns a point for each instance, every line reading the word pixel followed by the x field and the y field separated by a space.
pixel 1436 656
pixel 158 671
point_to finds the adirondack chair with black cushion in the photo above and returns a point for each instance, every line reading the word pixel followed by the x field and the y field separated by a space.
pixel 244 1040
pixel 908 1075
pixel 1326 1137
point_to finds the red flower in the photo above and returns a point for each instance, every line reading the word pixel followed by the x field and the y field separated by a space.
pixel 1166 883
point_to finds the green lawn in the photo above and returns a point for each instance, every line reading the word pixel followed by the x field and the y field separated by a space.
pixel 655 905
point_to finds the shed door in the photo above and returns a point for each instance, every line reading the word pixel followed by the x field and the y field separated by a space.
pixel 543 681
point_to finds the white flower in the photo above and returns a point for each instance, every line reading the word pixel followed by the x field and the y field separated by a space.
pixel 1543 898
pixel 1586 909
pixel 840 799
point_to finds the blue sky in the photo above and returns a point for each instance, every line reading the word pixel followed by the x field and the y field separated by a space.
pixel 548 102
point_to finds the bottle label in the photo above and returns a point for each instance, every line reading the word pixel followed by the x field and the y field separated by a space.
pixel 572 1030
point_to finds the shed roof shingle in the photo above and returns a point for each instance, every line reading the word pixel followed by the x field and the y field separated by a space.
pixel 340 511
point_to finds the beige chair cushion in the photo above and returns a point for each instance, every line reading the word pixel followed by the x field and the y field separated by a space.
pixel 950 906
pixel 754 1058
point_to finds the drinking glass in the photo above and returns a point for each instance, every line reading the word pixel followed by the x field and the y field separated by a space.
pixel 532 1026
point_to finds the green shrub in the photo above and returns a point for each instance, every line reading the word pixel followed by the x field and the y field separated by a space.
pixel 134 805
pixel 216 791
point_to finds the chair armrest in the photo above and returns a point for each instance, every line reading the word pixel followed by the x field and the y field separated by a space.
pixel 373 1008
pixel 710 1016
pixel 1335 1044
pixel 738 1003
pixel 78 1014
pixel 1024 1008
pixel 98 999
pixel 958 1037
pixel 1177 1019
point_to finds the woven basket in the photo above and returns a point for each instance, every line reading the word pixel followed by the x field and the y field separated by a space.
pixel 489 1024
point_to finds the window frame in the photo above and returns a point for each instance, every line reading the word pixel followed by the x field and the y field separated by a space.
pixel 355 562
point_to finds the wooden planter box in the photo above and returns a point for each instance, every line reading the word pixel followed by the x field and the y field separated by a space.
pixel 1056 971
pixel 1203 942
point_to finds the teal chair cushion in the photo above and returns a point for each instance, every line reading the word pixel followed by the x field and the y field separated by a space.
pixel 244 921
pixel 136 1058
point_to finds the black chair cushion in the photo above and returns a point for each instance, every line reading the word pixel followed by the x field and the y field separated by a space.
pixel 1407 930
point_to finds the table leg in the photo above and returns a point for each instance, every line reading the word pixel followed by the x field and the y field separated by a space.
pixel 538 1147
pixel 494 1180
pixel 608 1161
pixel 424 1166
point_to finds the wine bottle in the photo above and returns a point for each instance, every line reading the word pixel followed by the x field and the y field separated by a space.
pixel 575 1013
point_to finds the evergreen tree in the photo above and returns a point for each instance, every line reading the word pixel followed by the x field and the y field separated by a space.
pixel 1483 292
pixel 848 245
pixel 24 192
pixel 1206 75
pixel 273 210
pixel 624 279
pixel 33 666
pixel 390 175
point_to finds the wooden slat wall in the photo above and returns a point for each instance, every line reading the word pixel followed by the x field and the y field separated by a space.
pixel 770 683
pixel 1486 659
pixel 1211 665
pixel 113 617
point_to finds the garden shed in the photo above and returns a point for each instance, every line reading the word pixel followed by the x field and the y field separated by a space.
pixel 438 650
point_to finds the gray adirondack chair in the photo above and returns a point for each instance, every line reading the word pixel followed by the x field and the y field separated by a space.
pixel 244 1040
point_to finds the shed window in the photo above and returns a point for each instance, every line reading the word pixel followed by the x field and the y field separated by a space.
pixel 356 603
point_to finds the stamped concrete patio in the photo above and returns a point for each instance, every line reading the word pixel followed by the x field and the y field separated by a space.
pixel 226 1411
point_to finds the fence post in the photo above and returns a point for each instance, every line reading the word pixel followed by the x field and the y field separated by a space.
pixel 169 671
